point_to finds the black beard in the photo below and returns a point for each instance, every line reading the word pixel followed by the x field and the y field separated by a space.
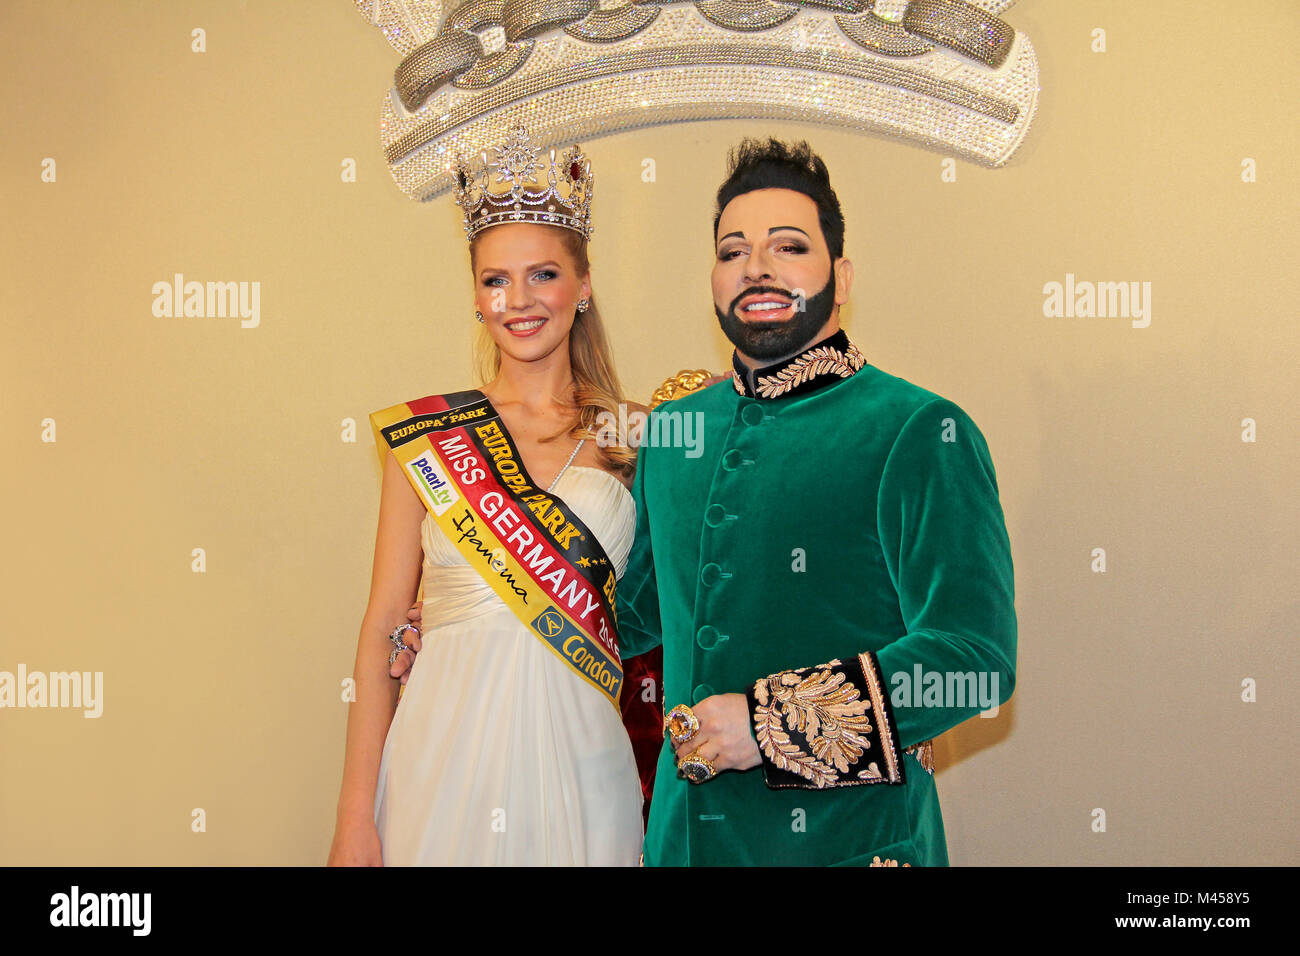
pixel 776 340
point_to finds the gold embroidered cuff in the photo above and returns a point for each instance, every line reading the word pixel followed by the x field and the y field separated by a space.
pixel 826 726
pixel 924 752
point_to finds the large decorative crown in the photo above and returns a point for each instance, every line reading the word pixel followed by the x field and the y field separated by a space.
pixel 520 186
pixel 950 75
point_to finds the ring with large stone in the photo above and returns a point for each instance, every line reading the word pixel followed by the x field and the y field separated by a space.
pixel 695 768
pixel 398 644
pixel 681 724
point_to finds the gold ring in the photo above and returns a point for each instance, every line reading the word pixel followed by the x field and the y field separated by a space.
pixel 695 768
pixel 681 724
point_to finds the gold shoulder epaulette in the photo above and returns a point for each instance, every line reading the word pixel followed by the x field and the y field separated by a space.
pixel 679 385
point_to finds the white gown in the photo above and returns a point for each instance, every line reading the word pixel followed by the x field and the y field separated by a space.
pixel 498 752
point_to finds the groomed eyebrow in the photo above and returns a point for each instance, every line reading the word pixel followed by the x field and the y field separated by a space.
pixel 536 265
pixel 741 235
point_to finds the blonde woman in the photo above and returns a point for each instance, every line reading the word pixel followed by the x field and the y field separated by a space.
pixel 507 746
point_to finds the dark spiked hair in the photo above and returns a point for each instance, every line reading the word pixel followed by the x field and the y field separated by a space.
pixel 755 164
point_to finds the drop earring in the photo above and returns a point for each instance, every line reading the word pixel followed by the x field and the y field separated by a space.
pixel 478 315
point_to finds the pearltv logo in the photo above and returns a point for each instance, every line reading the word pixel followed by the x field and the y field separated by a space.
pixel 438 490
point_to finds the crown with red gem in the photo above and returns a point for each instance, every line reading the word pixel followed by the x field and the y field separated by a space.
pixel 522 186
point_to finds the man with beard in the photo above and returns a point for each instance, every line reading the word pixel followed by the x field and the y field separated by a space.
pixel 830 580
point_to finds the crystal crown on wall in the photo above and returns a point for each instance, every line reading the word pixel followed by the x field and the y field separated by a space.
pixel 950 75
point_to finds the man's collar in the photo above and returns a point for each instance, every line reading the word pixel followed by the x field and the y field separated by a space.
pixel 820 364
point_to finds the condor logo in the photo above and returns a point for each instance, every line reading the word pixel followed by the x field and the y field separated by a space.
pixel 437 490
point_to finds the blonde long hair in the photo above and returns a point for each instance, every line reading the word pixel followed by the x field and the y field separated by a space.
pixel 596 387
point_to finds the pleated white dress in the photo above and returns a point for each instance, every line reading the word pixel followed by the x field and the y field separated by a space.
pixel 499 754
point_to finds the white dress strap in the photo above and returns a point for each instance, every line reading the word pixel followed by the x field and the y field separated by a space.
pixel 572 455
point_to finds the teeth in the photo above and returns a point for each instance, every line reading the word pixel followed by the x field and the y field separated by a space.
pixel 766 306
pixel 526 326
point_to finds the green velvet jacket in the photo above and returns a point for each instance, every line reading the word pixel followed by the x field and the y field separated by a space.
pixel 836 551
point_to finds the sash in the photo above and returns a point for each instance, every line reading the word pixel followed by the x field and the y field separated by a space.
pixel 528 545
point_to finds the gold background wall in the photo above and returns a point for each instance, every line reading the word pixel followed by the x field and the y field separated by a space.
pixel 222 689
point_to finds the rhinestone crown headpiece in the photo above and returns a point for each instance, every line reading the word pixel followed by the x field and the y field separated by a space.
pixel 510 189
pixel 950 75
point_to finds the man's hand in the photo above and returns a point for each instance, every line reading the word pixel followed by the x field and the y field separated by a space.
pixel 402 666
pixel 724 736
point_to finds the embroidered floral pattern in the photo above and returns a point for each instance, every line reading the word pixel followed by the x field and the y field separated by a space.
pixel 924 752
pixel 877 861
pixel 827 710
pixel 823 363
pixel 826 360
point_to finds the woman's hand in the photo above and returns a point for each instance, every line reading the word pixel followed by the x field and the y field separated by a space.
pixel 356 843
pixel 405 659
